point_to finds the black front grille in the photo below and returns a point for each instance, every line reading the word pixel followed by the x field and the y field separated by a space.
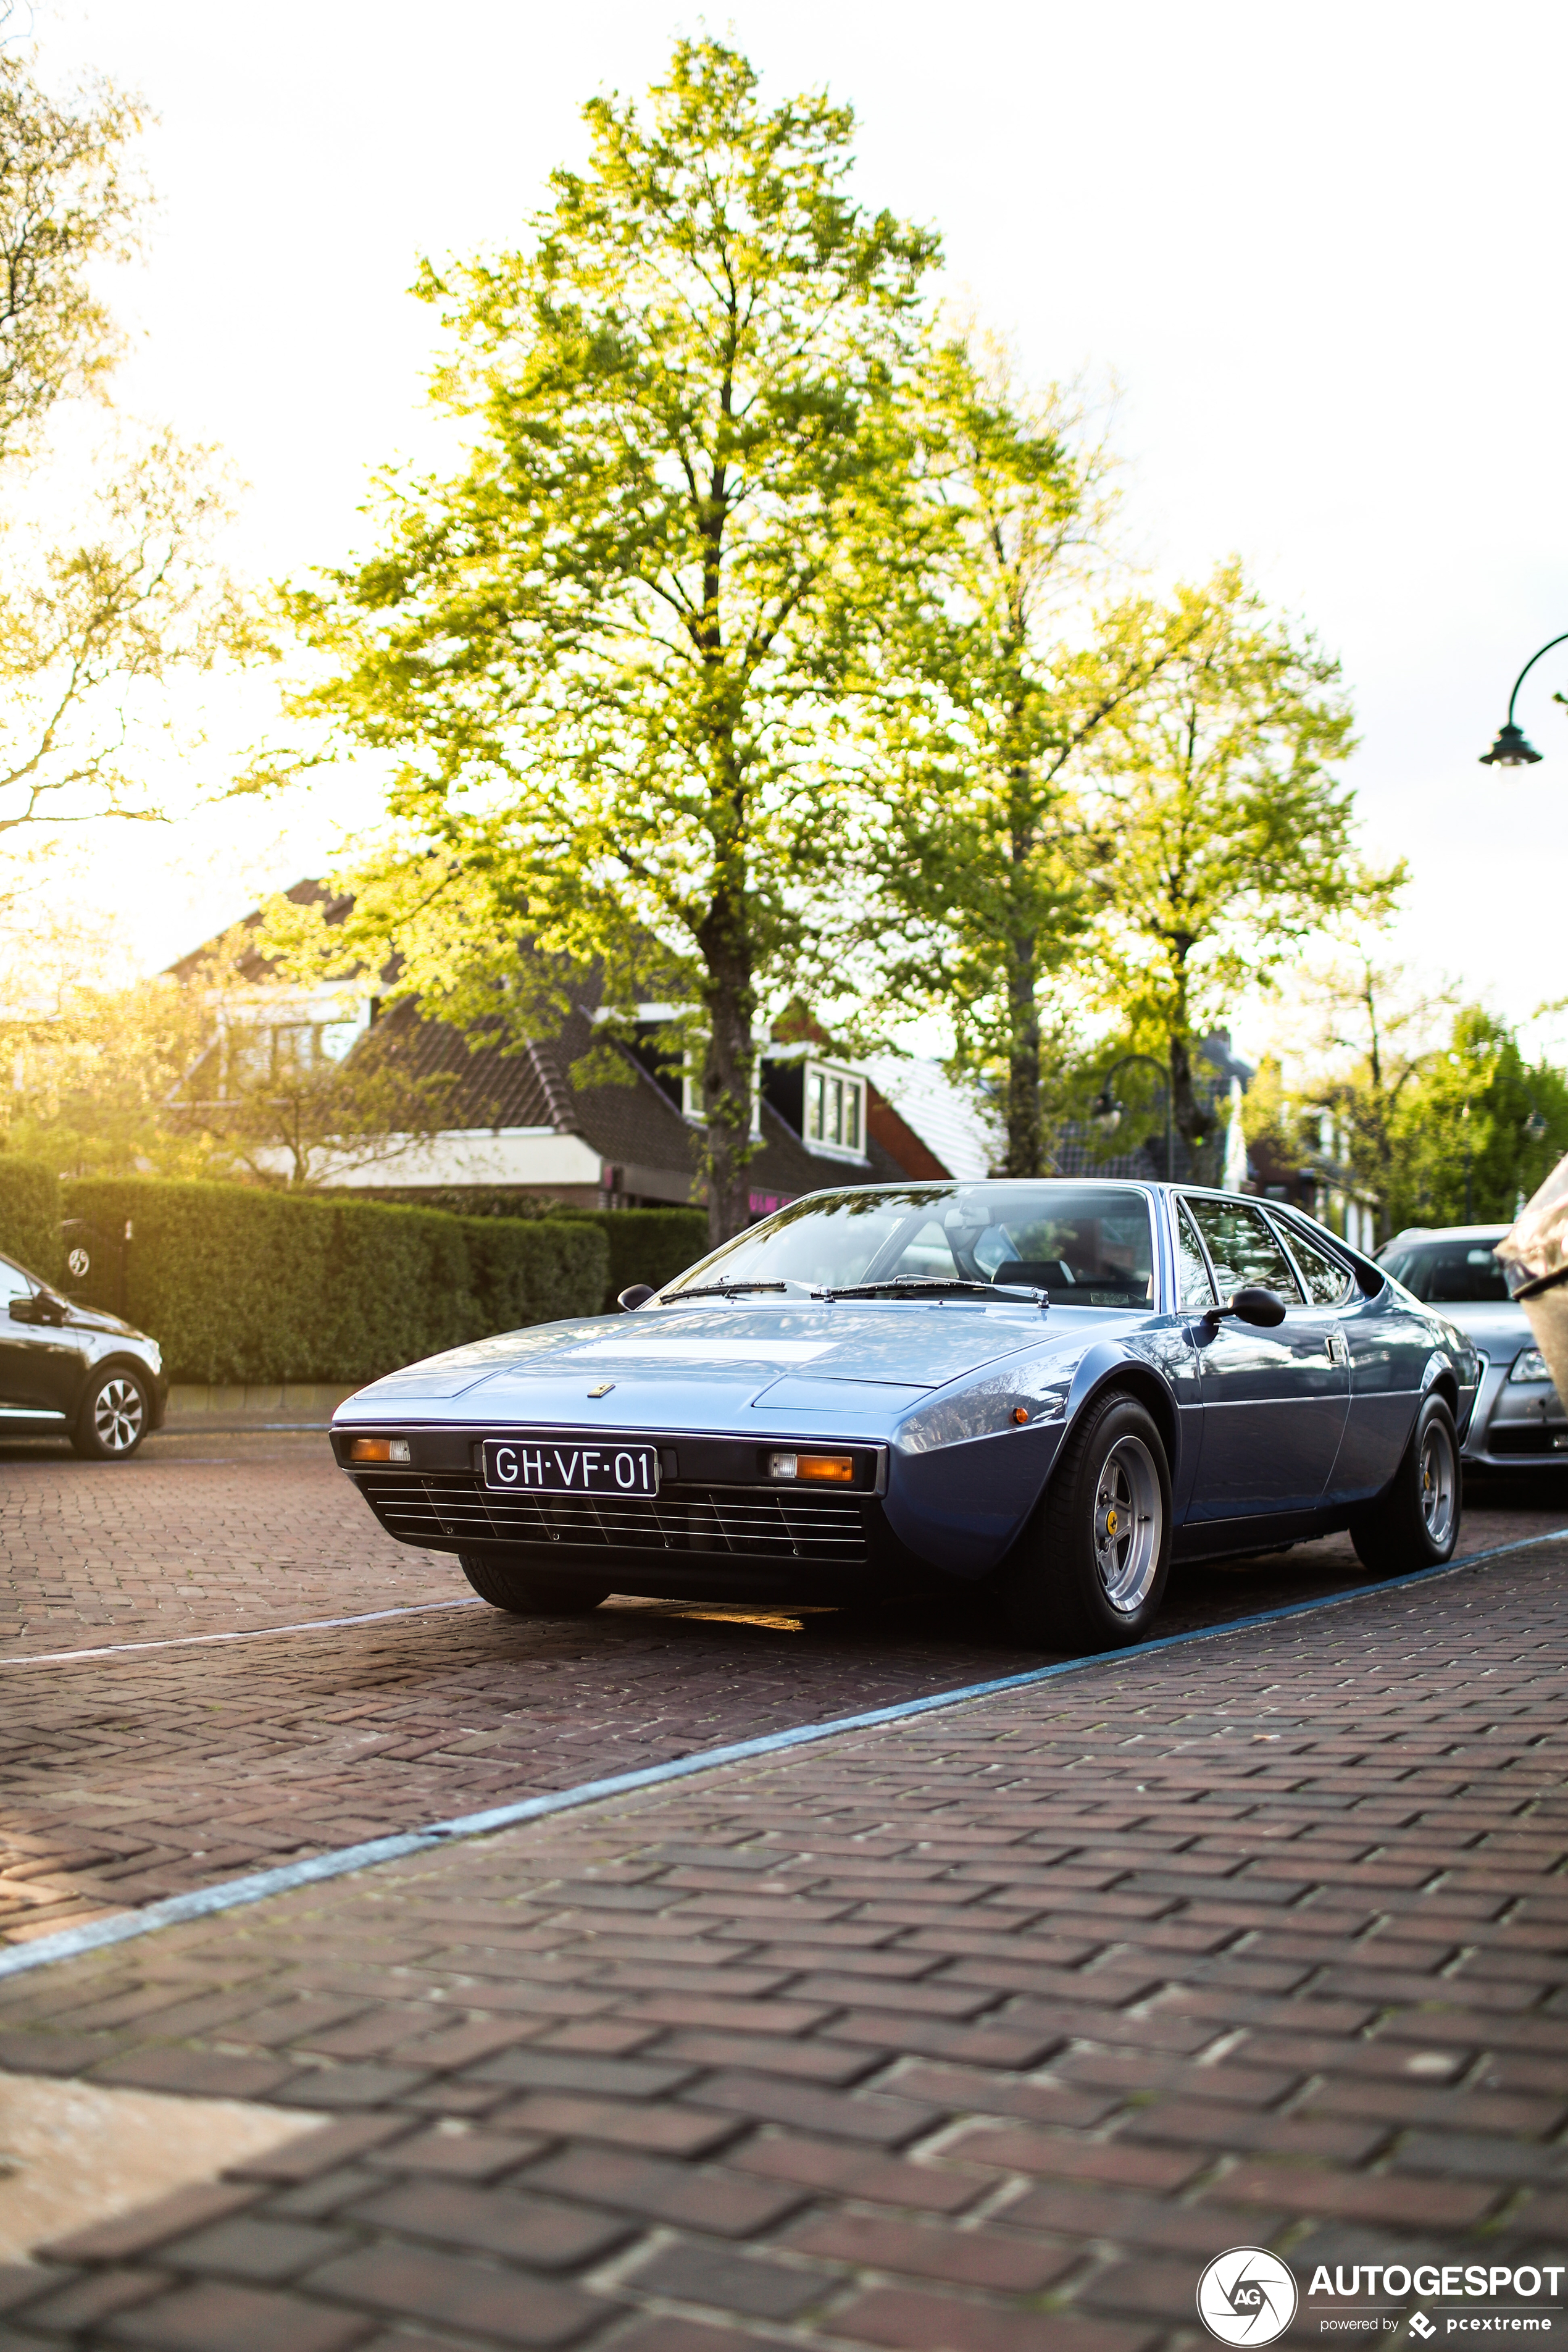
pixel 698 1521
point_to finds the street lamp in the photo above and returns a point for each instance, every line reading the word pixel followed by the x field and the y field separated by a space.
pixel 1107 1110
pixel 1512 749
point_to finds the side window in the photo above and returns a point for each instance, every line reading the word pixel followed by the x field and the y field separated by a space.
pixel 1194 1287
pixel 1327 1281
pixel 1245 1250
pixel 14 1283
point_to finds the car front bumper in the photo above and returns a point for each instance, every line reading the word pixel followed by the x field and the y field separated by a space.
pixel 1516 1425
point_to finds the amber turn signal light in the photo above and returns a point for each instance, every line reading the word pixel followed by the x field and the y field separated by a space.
pixel 833 1469
pixel 1020 1414
pixel 377 1449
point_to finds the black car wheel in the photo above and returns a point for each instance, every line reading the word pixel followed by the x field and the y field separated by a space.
pixel 1416 1523
pixel 524 1592
pixel 115 1417
pixel 1091 1573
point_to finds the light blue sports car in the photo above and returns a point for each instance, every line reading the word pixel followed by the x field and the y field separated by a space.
pixel 1041 1391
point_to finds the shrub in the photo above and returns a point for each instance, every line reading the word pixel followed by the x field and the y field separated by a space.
pixel 649 1246
pixel 30 1215
pixel 241 1285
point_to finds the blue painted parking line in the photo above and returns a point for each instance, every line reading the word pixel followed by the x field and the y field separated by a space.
pixel 231 1894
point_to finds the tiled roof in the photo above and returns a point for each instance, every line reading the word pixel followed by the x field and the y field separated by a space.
pixel 633 1126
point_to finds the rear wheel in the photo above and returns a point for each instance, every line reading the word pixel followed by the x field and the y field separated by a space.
pixel 1092 1572
pixel 115 1417
pixel 524 1592
pixel 1416 1523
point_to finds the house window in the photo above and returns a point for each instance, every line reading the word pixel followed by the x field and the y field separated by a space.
pixel 835 1111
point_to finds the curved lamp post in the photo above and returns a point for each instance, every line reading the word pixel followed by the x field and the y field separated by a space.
pixel 1107 1110
pixel 1512 749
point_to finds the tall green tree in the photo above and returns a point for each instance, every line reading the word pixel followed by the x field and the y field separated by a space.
pixel 70 199
pixel 1229 841
pixel 991 689
pixel 99 598
pixel 1477 1131
pixel 608 653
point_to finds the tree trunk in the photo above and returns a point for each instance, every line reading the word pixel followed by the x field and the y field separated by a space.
pixel 1024 1141
pixel 730 999
pixel 1190 1120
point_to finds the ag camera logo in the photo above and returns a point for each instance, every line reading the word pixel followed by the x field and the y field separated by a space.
pixel 1246 2295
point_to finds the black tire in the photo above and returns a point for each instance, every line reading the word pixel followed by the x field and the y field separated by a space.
pixel 524 1592
pixel 1086 1578
pixel 115 1416
pixel 1415 1523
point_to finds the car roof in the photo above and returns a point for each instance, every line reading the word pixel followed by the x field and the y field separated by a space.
pixel 1448 1234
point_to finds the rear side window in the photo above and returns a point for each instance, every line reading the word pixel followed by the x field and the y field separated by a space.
pixel 1450 1274
pixel 1245 1249
pixel 1327 1281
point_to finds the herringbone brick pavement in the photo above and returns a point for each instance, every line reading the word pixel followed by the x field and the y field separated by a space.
pixel 986 2030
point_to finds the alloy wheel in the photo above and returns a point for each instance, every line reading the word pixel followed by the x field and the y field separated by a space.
pixel 1439 1482
pixel 117 1415
pixel 1128 1523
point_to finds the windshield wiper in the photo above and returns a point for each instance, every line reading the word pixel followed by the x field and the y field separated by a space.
pixel 904 1285
pixel 717 1290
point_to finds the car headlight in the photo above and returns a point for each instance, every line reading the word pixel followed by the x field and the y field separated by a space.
pixel 1529 1364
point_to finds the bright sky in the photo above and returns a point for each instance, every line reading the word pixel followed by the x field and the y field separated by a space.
pixel 1319 249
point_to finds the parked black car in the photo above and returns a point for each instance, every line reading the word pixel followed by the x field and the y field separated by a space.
pixel 74 1372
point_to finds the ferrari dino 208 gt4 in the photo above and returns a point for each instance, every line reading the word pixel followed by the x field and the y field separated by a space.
pixel 1039 1391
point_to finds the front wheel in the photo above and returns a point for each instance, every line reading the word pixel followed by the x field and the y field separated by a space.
pixel 114 1418
pixel 524 1592
pixel 1415 1524
pixel 1093 1571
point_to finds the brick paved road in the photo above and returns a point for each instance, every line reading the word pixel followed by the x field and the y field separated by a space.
pixel 984 2032
pixel 127 1778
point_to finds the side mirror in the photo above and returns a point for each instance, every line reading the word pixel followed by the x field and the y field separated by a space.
pixel 40 1307
pixel 636 1295
pixel 1260 1306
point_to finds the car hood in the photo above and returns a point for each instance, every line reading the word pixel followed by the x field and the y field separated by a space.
pixel 1497 1328
pixel 701 1365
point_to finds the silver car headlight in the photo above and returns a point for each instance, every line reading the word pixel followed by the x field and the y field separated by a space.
pixel 1529 1364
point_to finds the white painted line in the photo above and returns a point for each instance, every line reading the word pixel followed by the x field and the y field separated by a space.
pixel 230 1893
pixel 248 1633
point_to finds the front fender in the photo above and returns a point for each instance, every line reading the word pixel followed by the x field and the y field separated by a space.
pixel 964 1478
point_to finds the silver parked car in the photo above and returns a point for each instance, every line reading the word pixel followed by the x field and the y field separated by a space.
pixel 1519 1418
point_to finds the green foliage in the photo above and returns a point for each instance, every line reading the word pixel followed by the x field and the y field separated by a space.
pixel 30 1215
pixel 978 864
pixel 1462 1149
pixel 242 1285
pixel 1228 840
pixel 650 1245
pixel 609 655
pixel 67 202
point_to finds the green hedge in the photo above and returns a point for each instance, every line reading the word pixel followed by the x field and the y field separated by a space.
pixel 240 1284
pixel 30 1215
pixel 649 1246
pixel 645 1245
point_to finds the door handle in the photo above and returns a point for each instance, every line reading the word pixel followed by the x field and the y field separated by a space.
pixel 1338 1348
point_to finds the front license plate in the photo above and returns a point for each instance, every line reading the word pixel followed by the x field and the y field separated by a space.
pixel 557 1467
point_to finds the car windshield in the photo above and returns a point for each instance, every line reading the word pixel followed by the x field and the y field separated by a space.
pixel 1449 1273
pixel 1083 1244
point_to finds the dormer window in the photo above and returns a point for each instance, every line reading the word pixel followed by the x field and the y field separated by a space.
pixel 835 1112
